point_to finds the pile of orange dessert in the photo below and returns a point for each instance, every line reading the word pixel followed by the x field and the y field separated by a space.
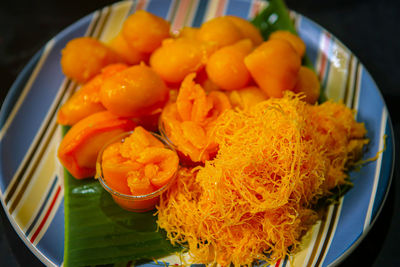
pixel 255 149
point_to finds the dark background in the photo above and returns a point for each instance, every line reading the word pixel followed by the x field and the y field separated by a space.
pixel 370 28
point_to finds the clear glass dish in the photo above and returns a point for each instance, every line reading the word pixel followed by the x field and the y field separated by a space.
pixel 135 203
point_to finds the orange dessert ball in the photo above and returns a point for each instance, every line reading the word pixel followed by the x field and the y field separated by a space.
pixel 86 100
pixel 176 58
pixel 145 31
pixel 188 32
pixel 134 92
pixel 226 66
pixel 308 83
pixel 83 58
pixel 293 39
pixel 127 52
pixel 274 65
pixel 220 31
pixel 247 29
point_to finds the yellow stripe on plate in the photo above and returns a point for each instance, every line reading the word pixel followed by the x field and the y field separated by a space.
pixel 115 21
pixel 307 245
pixel 211 10
pixel 338 71
pixel 32 199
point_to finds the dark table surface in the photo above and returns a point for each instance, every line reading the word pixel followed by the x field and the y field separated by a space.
pixel 370 28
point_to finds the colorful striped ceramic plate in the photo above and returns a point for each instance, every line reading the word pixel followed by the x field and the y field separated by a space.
pixel 31 178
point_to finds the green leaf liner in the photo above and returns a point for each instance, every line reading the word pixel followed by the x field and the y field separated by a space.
pixel 99 232
pixel 274 17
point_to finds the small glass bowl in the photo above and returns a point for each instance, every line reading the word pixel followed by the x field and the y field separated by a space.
pixel 139 203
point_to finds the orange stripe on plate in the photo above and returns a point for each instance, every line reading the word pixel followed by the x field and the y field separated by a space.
pixel 220 8
pixel 141 4
pixel 180 15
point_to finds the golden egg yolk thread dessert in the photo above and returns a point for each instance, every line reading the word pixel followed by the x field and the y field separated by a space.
pixel 254 200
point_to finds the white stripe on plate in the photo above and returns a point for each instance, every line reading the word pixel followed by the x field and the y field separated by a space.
pixel 323 237
pixel 335 223
pixel 27 87
pixel 10 118
pixel 367 221
pixel 34 159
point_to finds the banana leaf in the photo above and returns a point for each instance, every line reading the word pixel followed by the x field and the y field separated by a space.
pixel 98 232
pixel 272 18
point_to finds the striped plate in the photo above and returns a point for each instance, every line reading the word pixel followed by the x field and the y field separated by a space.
pixel 31 180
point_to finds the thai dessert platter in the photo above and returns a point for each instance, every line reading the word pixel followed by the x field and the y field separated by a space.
pixel 220 132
